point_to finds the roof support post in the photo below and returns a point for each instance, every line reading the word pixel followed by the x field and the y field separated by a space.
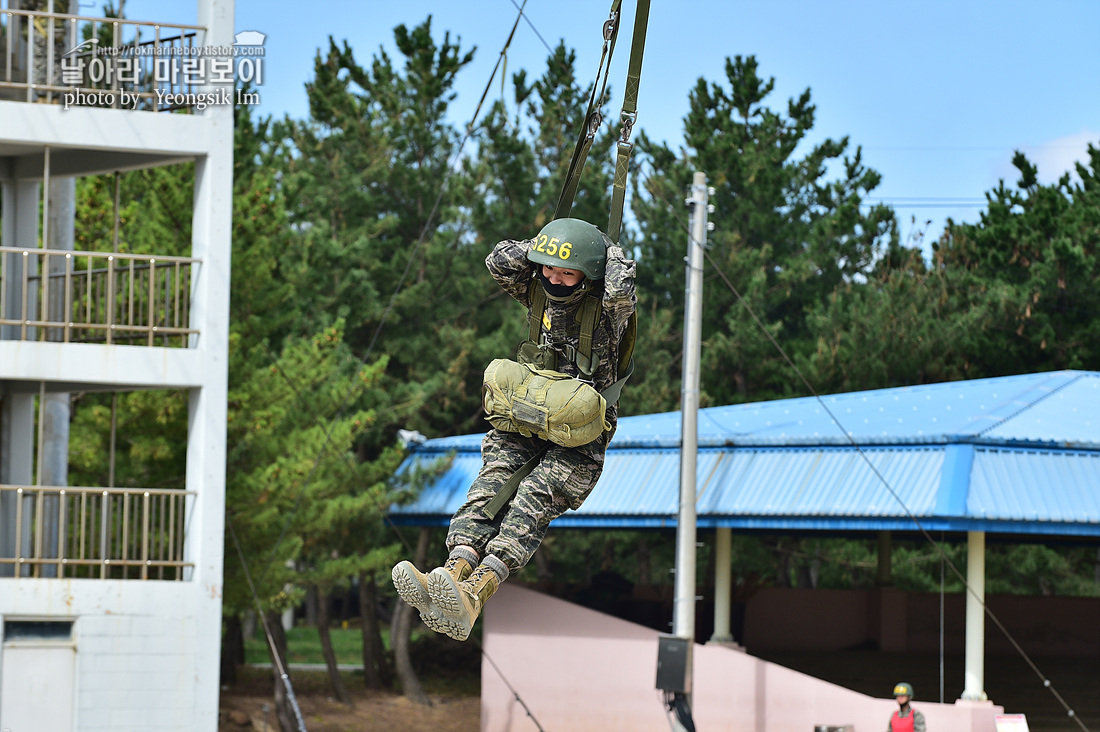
pixel 723 542
pixel 885 546
pixel 974 675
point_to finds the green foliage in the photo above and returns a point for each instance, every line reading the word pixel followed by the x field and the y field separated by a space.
pixel 906 324
pixel 151 430
pixel 1032 260
pixel 359 306
pixel 786 235
pixel 295 490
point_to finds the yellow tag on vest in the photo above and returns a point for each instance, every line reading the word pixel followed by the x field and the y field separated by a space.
pixel 546 320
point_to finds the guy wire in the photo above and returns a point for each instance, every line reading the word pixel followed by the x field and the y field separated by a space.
pixel 283 675
pixel 859 450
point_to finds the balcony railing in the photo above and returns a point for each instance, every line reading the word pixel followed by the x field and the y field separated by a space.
pixel 96 533
pixel 43 58
pixel 95 297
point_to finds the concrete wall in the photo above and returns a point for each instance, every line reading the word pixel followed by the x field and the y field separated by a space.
pixel 580 670
pixel 146 653
pixel 829 620
pixel 140 659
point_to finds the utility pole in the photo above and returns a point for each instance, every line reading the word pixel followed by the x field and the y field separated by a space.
pixel 683 612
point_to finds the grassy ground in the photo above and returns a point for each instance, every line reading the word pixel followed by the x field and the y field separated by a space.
pixel 443 665
pixel 450 672
pixel 304 646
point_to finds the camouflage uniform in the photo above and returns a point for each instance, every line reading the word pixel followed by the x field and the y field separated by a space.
pixel 565 476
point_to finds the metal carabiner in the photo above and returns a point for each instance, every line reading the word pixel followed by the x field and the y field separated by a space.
pixel 609 26
pixel 628 120
pixel 594 122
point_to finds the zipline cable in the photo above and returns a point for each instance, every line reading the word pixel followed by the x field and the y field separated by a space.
pixel 511 688
pixel 397 290
pixel 283 675
pixel 423 234
pixel 863 455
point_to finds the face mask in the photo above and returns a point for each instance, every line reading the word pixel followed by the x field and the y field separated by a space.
pixel 557 292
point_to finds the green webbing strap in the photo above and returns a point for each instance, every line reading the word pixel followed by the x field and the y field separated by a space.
pixel 611 393
pixel 538 307
pixel 629 115
pixel 506 491
pixel 590 315
pixel 592 117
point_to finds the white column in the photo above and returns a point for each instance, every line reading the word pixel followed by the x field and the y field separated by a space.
pixel 683 608
pixel 723 541
pixel 20 229
pixel 974 674
pixel 56 408
pixel 211 242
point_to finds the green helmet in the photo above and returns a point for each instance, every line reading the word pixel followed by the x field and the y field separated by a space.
pixel 903 689
pixel 571 244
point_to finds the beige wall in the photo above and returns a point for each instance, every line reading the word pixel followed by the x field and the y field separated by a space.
pixel 580 670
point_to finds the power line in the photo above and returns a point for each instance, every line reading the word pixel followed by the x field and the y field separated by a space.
pixel 965 148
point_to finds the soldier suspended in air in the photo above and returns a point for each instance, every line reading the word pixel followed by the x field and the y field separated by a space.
pixel 553 412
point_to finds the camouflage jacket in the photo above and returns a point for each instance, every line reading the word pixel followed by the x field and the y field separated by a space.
pixel 509 266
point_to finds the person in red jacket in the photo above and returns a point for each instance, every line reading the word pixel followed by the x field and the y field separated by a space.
pixel 905 719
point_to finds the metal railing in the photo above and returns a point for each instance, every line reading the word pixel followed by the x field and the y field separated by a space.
pixel 97 533
pixel 43 59
pixel 95 297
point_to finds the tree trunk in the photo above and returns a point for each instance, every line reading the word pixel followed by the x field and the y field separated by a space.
pixel 399 636
pixel 232 649
pixel 339 689
pixel 375 672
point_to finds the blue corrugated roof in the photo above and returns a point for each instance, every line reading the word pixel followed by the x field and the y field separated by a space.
pixel 1017 454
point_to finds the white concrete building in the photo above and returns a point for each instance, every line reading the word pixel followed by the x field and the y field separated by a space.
pixel 110 598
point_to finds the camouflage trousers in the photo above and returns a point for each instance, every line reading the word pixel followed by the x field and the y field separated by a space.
pixel 561 481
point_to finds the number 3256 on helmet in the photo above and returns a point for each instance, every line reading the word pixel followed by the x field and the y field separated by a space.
pixel 571 244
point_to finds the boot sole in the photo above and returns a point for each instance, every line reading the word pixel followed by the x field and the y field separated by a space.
pixel 411 590
pixel 416 596
pixel 453 616
pixel 451 628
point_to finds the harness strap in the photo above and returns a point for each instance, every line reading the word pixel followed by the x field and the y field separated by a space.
pixel 538 307
pixel 588 316
pixel 592 118
pixel 506 491
pixel 628 117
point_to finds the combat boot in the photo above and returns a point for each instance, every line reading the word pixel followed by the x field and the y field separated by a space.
pixel 412 586
pixel 460 603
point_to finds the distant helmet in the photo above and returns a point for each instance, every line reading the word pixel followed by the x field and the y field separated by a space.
pixel 571 244
pixel 904 689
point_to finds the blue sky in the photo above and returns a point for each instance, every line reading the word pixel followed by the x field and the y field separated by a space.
pixel 939 92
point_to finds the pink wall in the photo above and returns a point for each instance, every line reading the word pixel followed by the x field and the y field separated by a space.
pixel 580 670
